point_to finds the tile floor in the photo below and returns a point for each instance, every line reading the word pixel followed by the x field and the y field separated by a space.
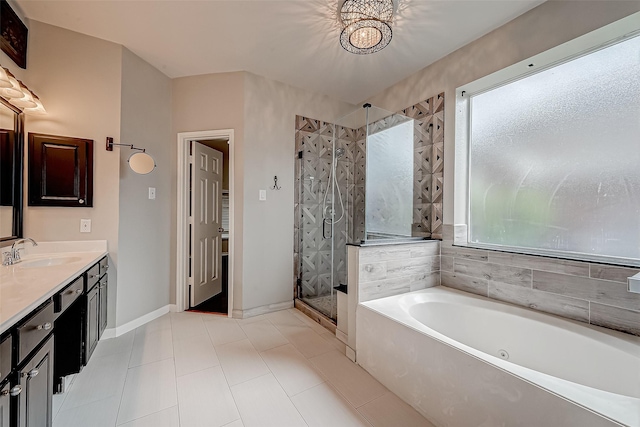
pixel 190 369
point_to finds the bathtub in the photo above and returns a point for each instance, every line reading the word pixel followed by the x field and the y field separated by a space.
pixel 464 360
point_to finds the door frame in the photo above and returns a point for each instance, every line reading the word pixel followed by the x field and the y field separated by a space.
pixel 182 244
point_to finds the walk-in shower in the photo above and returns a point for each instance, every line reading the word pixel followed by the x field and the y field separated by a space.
pixel 357 179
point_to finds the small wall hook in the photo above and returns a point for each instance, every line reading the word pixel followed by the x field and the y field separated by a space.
pixel 275 183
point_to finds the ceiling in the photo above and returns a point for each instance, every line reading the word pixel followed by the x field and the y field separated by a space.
pixel 295 42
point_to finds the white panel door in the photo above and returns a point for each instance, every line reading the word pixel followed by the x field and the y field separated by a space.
pixel 207 223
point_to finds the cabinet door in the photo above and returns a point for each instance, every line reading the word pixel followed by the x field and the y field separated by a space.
pixel 5 404
pixel 92 322
pixel 60 171
pixel 36 379
pixel 103 287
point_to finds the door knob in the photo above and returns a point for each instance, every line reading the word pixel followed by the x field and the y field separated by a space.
pixel 15 391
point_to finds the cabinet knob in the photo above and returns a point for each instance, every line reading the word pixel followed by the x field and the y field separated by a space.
pixel 78 291
pixel 220 230
pixel 45 326
pixel 15 391
pixel 81 201
pixel 33 373
pixel 4 392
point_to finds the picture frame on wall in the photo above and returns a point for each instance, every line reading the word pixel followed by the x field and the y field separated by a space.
pixel 13 35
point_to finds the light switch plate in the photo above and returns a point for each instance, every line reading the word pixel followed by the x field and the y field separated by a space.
pixel 85 226
pixel 263 195
pixel 152 193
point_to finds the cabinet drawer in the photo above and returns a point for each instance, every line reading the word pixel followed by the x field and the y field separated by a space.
pixel 66 297
pixel 34 330
pixel 104 265
pixel 5 357
pixel 93 275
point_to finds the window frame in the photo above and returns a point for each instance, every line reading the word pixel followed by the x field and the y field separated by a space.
pixel 594 41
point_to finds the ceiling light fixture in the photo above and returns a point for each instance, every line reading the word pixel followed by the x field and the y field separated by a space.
pixel 366 25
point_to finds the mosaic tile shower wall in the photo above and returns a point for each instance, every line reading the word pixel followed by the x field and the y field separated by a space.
pixel 312 250
pixel 312 255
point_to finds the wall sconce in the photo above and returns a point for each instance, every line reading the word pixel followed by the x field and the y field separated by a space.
pixel 18 94
pixel 140 162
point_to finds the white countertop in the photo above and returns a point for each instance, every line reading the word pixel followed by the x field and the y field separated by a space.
pixel 22 289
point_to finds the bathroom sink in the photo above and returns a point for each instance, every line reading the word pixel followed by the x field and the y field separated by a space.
pixel 48 262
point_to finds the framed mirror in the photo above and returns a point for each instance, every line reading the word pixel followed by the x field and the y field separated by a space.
pixel 11 166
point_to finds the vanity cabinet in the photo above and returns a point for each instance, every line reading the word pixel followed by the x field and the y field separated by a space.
pixel 35 376
pixel 53 341
pixel 5 385
pixel 5 403
pixel 92 322
pixel 96 306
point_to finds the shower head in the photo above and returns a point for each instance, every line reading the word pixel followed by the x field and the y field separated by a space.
pixel 339 152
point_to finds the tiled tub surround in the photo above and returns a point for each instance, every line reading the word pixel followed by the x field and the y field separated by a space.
pixel 583 291
pixel 381 270
pixel 439 350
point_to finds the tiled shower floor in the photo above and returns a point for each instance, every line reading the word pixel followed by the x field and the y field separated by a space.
pixel 193 369
pixel 324 304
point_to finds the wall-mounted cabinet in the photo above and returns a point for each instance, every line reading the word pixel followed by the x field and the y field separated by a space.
pixel 60 171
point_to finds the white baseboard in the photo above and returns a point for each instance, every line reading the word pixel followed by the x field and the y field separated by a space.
pixel 342 336
pixel 130 326
pixel 263 309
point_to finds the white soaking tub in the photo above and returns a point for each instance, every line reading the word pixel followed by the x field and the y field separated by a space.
pixel 464 360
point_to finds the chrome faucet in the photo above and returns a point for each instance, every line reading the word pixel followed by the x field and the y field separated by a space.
pixel 13 256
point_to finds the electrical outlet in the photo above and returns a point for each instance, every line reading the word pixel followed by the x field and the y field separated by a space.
pixel 85 226
pixel 262 195
pixel 152 193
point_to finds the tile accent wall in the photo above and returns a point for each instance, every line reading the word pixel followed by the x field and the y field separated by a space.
pixel 388 270
pixel 428 138
pixel 583 291
pixel 312 252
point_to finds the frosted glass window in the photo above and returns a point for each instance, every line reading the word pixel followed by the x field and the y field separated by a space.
pixel 389 201
pixel 555 158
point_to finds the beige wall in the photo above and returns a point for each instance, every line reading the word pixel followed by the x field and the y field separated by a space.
pixel 144 281
pixel 270 108
pixel 210 102
pixel 262 114
pixel 78 79
pixel 544 27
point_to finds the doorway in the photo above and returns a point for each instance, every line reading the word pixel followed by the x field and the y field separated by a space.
pixel 204 262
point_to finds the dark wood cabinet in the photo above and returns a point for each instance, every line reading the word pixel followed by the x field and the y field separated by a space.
pixel 96 305
pixel 92 322
pixel 36 379
pixel 103 287
pixel 5 403
pixel 60 171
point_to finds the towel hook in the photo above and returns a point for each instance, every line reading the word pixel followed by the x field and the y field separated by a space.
pixel 275 183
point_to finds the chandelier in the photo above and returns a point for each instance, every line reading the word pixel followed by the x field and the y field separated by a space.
pixel 366 25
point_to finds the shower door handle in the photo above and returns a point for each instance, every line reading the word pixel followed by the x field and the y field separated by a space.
pixel 324 232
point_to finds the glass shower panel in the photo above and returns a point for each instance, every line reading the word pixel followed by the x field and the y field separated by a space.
pixel 330 202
